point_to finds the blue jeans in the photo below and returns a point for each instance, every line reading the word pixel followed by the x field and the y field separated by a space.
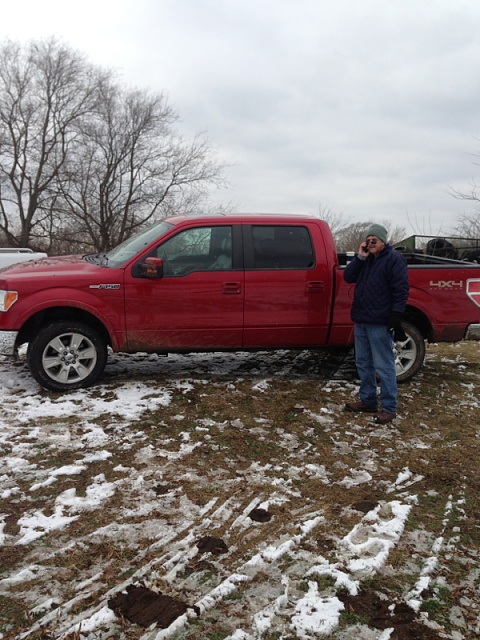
pixel 374 355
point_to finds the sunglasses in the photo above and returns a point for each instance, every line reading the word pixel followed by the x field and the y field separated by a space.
pixel 371 241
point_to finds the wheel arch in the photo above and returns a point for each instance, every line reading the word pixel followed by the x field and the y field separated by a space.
pixel 57 314
pixel 420 320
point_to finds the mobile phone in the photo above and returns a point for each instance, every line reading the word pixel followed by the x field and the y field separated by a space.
pixel 365 248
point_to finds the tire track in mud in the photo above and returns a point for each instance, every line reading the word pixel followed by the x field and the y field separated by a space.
pixel 273 566
pixel 182 549
pixel 356 555
pixel 232 518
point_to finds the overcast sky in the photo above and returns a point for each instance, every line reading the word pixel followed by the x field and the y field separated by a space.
pixel 367 107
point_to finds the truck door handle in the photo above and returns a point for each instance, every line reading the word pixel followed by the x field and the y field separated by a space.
pixel 315 286
pixel 231 288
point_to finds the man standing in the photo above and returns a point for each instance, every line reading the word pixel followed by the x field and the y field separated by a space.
pixel 381 290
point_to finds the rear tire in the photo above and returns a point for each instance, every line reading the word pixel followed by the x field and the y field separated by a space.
pixel 409 354
pixel 66 355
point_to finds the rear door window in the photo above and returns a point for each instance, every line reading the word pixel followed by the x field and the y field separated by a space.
pixel 281 247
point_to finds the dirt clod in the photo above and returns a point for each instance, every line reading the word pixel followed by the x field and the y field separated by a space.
pixel 260 515
pixel 381 615
pixel 144 607
pixel 210 544
pixel 364 506
pixel 162 489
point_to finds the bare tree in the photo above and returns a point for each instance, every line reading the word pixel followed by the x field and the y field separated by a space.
pixel 424 226
pixel 468 225
pixel 349 238
pixel 336 221
pixel 349 235
pixel 83 162
pixel 45 90
pixel 130 167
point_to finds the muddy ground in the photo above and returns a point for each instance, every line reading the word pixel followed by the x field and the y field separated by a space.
pixel 230 496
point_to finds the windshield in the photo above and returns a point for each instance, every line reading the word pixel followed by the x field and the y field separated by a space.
pixel 128 249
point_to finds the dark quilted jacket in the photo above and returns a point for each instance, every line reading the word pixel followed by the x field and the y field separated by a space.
pixel 381 286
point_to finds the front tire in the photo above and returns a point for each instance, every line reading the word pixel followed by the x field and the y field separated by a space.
pixel 66 355
pixel 409 354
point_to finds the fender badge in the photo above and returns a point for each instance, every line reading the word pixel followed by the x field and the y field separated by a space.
pixel 104 286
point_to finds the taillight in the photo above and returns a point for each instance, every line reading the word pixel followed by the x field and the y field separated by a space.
pixel 473 291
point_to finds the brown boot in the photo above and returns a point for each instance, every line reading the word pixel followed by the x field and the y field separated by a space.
pixel 360 407
pixel 383 417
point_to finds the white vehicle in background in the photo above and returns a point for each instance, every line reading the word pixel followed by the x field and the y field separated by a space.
pixel 13 256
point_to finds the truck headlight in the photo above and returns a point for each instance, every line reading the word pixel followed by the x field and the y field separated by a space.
pixel 7 299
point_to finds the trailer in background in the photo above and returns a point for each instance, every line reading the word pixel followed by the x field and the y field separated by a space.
pixel 453 247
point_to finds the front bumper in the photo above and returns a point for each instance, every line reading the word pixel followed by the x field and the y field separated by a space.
pixel 8 343
pixel 473 332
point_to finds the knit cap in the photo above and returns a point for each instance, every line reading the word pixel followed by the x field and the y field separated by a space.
pixel 378 231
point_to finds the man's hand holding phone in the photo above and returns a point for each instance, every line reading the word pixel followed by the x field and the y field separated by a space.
pixel 363 249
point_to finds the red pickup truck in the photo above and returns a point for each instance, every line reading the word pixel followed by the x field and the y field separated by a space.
pixel 214 283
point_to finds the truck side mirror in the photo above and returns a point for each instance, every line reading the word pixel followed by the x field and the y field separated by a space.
pixel 151 268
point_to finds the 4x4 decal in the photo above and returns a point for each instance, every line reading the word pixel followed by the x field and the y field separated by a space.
pixel 446 284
